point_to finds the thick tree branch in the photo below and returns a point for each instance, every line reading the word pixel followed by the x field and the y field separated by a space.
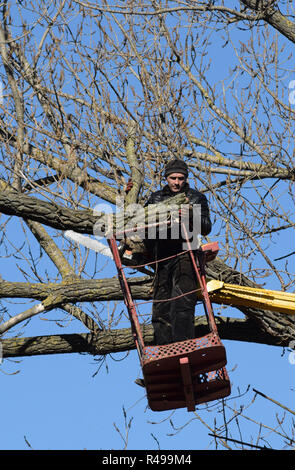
pixel 72 290
pixel 273 16
pixel 82 221
pixel 115 341
pixel 47 213
pixel 136 170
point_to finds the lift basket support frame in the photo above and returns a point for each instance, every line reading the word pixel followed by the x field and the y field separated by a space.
pixel 185 373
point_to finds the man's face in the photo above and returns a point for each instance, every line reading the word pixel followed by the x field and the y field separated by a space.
pixel 176 181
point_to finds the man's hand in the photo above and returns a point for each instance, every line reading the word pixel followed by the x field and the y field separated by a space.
pixel 186 210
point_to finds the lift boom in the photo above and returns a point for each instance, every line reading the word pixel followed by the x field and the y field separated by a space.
pixel 265 299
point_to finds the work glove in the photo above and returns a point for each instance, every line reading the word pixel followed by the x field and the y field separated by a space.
pixel 128 186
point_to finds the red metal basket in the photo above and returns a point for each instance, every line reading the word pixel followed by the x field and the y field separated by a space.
pixel 185 373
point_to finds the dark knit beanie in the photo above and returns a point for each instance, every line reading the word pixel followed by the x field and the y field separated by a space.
pixel 176 166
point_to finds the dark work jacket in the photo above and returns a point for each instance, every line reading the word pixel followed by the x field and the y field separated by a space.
pixel 164 248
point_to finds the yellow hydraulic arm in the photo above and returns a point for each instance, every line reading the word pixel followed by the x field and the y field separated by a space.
pixel 232 294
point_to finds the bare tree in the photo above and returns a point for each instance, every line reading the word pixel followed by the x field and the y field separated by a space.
pixel 96 93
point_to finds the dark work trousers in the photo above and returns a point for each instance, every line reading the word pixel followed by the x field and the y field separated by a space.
pixel 173 320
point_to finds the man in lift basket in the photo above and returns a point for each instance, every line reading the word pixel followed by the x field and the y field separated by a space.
pixel 173 320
